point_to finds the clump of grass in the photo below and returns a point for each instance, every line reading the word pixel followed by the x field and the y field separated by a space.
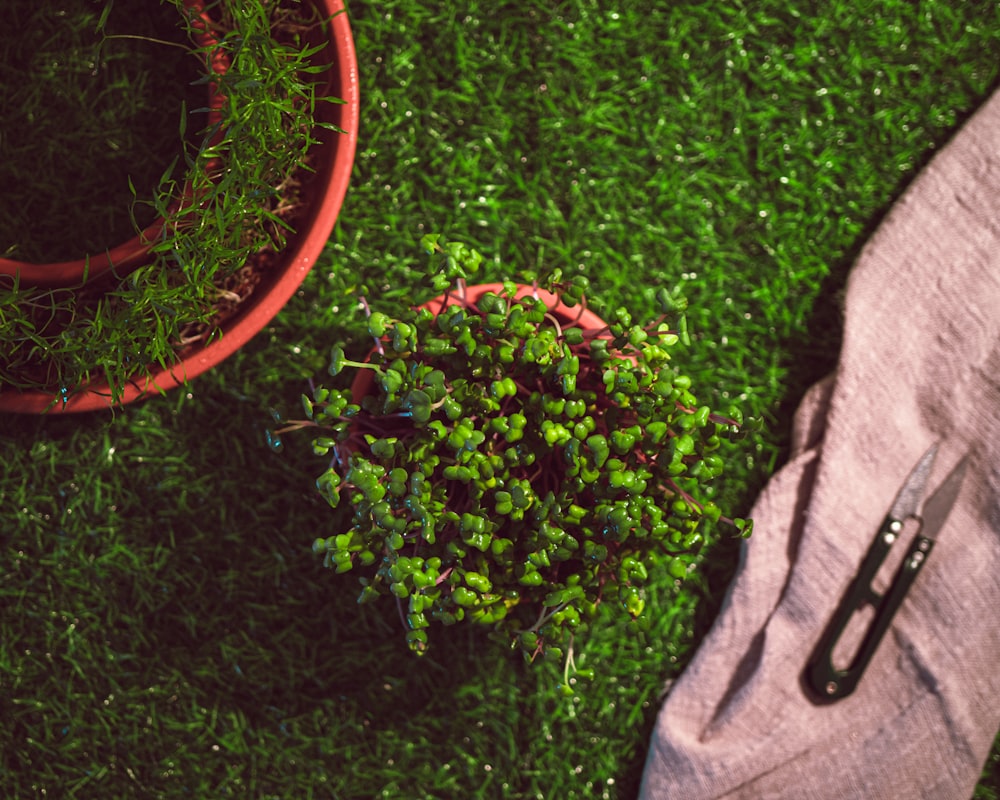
pixel 244 175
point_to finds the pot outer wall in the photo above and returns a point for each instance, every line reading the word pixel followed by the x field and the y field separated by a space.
pixel 335 162
pixel 364 382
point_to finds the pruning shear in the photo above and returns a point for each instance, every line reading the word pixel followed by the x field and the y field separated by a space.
pixel 830 683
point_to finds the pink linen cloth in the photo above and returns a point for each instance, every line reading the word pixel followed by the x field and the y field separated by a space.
pixel 920 364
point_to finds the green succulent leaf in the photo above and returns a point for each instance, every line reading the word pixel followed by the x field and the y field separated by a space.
pixel 328 484
pixel 338 359
pixel 418 405
pixel 599 449
pixel 465 597
pixel 378 324
pixel 632 599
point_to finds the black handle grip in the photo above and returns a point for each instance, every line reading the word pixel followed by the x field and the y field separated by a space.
pixel 832 684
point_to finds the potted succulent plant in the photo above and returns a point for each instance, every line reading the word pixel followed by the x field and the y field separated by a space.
pixel 513 460
pixel 241 218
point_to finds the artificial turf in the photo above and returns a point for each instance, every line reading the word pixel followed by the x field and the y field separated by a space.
pixel 166 631
pixel 87 116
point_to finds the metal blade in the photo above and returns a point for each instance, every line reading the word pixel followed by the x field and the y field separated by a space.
pixel 939 504
pixel 908 500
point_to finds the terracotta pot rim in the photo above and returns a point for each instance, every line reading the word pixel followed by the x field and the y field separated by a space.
pixel 585 318
pixel 295 263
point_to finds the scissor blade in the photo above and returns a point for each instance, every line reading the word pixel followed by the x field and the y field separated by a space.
pixel 939 504
pixel 908 500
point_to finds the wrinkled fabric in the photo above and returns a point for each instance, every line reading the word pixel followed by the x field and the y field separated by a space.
pixel 920 363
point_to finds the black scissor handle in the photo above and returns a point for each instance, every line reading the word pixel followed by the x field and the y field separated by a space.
pixel 829 683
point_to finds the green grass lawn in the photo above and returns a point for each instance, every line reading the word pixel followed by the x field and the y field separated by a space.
pixel 165 629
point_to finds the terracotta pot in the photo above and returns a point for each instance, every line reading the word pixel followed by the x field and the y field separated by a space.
pixel 334 159
pixel 587 319
pixel 131 254
pixel 364 380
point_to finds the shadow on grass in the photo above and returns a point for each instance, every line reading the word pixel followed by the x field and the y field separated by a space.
pixel 189 639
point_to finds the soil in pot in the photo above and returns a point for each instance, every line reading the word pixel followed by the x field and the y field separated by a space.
pixel 92 119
